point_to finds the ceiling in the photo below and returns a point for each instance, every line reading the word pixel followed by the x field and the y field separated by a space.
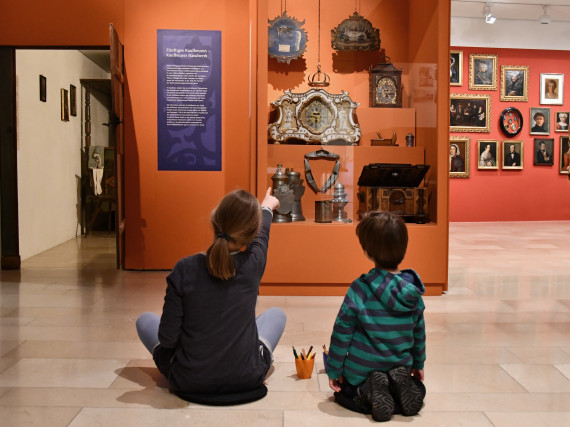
pixel 526 10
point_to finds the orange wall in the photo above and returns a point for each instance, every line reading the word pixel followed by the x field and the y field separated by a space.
pixel 60 22
pixel 534 193
pixel 168 212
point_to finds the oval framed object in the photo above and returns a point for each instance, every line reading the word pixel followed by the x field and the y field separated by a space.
pixel 286 39
pixel 511 121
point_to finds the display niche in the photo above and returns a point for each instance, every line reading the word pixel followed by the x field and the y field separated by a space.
pixel 344 142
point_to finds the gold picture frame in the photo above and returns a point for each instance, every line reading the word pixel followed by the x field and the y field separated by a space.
pixel 482 71
pixel 564 154
pixel 459 151
pixel 455 68
pixel 514 83
pixel 488 151
pixel 512 159
pixel 469 113
pixel 64 105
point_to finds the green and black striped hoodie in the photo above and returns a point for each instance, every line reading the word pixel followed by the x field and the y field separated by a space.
pixel 380 326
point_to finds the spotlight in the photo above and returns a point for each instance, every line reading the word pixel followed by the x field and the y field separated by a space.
pixel 489 17
pixel 544 19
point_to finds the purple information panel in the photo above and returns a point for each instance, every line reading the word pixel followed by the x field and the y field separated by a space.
pixel 189 100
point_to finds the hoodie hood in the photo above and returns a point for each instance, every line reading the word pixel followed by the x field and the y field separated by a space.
pixel 398 292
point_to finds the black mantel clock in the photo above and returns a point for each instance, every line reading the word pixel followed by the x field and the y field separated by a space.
pixel 385 85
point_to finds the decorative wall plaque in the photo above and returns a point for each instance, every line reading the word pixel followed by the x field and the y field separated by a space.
pixel 315 117
pixel 286 39
pixel 355 33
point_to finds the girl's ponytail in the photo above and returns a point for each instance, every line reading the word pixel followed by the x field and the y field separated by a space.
pixel 235 221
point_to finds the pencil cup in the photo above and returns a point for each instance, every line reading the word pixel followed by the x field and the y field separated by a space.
pixel 304 368
pixel 325 360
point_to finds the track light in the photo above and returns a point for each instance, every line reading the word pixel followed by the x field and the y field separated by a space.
pixel 489 17
pixel 544 19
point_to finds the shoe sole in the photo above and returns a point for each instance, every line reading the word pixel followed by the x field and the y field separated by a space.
pixel 382 400
pixel 409 395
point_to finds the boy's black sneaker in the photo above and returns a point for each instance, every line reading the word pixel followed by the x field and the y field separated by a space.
pixel 377 392
pixel 408 392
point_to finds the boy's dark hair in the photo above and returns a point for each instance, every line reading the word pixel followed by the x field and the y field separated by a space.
pixel 384 238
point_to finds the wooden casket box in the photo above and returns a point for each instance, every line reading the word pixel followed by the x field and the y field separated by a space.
pixel 394 187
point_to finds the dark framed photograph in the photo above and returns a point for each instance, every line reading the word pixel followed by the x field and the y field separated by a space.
pixel 564 155
pixel 72 100
pixel 543 151
pixel 43 88
pixel 513 154
pixel 64 105
pixel 456 68
pixel 561 121
pixel 482 72
pixel 551 89
pixel 488 150
pixel 514 83
pixel 469 113
pixel 459 149
pixel 539 121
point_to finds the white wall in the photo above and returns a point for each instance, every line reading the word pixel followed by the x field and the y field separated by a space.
pixel 513 34
pixel 49 150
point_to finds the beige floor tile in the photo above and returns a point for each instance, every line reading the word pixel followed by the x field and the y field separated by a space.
pixel 439 354
pixel 511 402
pixel 139 374
pixel 564 368
pixel 539 378
pixel 37 417
pixel 7 346
pixel 284 378
pixel 61 373
pixel 77 350
pixel 540 355
pixel 469 378
pixel 91 398
pixel 135 417
pixel 341 417
pixel 529 419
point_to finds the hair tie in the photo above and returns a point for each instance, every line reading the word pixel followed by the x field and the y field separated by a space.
pixel 224 236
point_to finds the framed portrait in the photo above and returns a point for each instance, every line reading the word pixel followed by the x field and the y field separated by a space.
pixel 561 121
pixel 564 154
pixel 456 68
pixel 539 121
pixel 488 150
pixel 551 89
pixel 459 149
pixel 514 83
pixel 543 151
pixel 482 72
pixel 72 100
pixel 43 88
pixel 469 113
pixel 513 154
pixel 64 105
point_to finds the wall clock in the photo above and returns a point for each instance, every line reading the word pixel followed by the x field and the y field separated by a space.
pixel 385 85
pixel 315 117
pixel 511 121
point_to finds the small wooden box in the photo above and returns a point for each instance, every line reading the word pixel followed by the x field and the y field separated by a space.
pixel 411 203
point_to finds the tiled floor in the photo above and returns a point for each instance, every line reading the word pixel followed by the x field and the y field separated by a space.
pixel 498 341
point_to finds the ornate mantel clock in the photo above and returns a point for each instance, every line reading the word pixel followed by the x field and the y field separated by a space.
pixel 385 85
pixel 315 117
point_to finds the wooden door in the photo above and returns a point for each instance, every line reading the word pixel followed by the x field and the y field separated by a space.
pixel 117 139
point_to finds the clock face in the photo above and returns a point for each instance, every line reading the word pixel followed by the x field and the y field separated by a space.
pixel 316 116
pixel 386 92
pixel 511 121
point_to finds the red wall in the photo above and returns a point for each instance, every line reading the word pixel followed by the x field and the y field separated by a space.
pixel 535 193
